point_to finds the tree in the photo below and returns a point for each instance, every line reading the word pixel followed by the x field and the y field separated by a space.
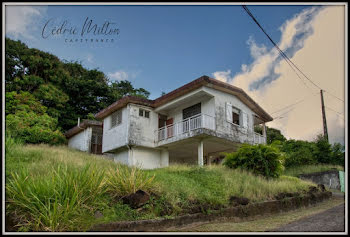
pixel 272 134
pixel 67 90
pixel 323 150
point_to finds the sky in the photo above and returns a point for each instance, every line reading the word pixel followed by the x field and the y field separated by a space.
pixel 161 48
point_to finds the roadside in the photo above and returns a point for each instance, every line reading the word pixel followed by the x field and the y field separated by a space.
pixel 274 222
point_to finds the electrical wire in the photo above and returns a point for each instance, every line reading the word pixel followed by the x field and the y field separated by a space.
pixel 283 54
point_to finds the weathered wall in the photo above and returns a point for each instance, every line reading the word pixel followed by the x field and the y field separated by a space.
pixel 222 126
pixel 327 178
pixel 81 141
pixel 117 136
pixel 142 130
pixel 122 156
pixel 146 158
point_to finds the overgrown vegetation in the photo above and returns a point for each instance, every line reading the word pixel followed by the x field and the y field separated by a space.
pixel 307 169
pixel 260 159
pixel 45 95
pixel 54 188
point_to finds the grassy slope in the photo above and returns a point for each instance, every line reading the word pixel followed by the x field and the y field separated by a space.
pixel 307 169
pixel 178 188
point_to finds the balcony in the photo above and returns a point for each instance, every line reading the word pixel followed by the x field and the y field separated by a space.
pixel 188 127
pixel 185 126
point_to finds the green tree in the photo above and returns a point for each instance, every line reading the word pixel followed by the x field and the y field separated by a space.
pixel 272 134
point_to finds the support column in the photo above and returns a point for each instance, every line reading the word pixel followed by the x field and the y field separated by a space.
pixel 264 132
pixel 164 158
pixel 200 153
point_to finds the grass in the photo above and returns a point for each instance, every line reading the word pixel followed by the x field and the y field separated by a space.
pixel 55 188
pixel 267 223
pixel 307 169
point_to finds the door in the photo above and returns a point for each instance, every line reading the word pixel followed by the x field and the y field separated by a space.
pixel 170 129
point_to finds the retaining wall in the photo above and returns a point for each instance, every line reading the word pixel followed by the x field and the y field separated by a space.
pixel 328 178
pixel 238 213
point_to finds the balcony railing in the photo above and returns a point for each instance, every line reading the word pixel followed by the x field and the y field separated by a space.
pixel 186 125
pixel 259 139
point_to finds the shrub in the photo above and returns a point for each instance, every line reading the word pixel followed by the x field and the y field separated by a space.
pixel 34 128
pixel 261 159
pixel 323 151
pixel 123 181
pixel 338 154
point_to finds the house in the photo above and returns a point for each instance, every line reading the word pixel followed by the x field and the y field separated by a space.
pixel 86 136
pixel 193 124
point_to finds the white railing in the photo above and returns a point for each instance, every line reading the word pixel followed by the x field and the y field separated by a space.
pixel 259 139
pixel 186 125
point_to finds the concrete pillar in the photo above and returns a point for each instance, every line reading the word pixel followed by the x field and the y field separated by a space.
pixel 164 158
pixel 200 153
pixel 264 130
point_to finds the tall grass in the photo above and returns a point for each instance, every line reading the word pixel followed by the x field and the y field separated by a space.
pixel 124 181
pixel 51 203
pixel 307 169
pixel 213 185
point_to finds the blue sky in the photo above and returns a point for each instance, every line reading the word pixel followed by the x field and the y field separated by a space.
pixel 161 48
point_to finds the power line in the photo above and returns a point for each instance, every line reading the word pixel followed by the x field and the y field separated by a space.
pixel 334 96
pixel 281 116
pixel 282 53
pixel 298 102
pixel 334 110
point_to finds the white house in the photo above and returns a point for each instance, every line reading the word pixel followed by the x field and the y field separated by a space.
pixel 193 124
pixel 86 136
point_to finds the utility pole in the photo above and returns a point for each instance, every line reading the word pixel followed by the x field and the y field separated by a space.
pixel 325 132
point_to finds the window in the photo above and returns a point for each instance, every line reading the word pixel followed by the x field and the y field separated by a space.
pixel 143 113
pixel 191 111
pixel 116 118
pixel 146 114
pixel 235 115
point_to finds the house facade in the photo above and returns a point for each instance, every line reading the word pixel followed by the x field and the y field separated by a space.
pixel 193 124
pixel 86 136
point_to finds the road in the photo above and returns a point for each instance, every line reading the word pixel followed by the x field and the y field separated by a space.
pixel 331 220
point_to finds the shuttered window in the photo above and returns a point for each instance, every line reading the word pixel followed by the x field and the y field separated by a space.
pixel 116 118
pixel 191 111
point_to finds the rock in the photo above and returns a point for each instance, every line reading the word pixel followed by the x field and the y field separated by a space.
pixel 312 189
pixel 98 214
pixel 239 200
pixel 137 199
pixel 321 187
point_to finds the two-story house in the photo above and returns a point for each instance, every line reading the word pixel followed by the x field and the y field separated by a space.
pixel 192 124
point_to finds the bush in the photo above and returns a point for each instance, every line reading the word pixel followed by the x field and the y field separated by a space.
pixel 34 128
pixel 338 154
pixel 261 159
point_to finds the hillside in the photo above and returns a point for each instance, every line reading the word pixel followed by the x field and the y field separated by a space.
pixel 54 188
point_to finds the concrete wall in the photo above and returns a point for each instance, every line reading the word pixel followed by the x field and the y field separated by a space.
pixel 81 141
pixel 222 125
pixel 327 178
pixel 142 131
pixel 207 107
pixel 117 136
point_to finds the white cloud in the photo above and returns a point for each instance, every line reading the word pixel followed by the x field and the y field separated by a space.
pixel 314 40
pixel 224 76
pixel 21 20
pixel 118 75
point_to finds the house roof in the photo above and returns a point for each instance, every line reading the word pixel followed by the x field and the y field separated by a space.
pixel 202 81
pixel 86 123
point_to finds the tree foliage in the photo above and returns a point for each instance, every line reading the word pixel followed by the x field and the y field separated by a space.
pixel 54 92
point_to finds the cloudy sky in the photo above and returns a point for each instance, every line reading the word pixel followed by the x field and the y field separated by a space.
pixel 161 48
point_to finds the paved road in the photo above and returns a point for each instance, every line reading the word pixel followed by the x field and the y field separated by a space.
pixel 331 220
